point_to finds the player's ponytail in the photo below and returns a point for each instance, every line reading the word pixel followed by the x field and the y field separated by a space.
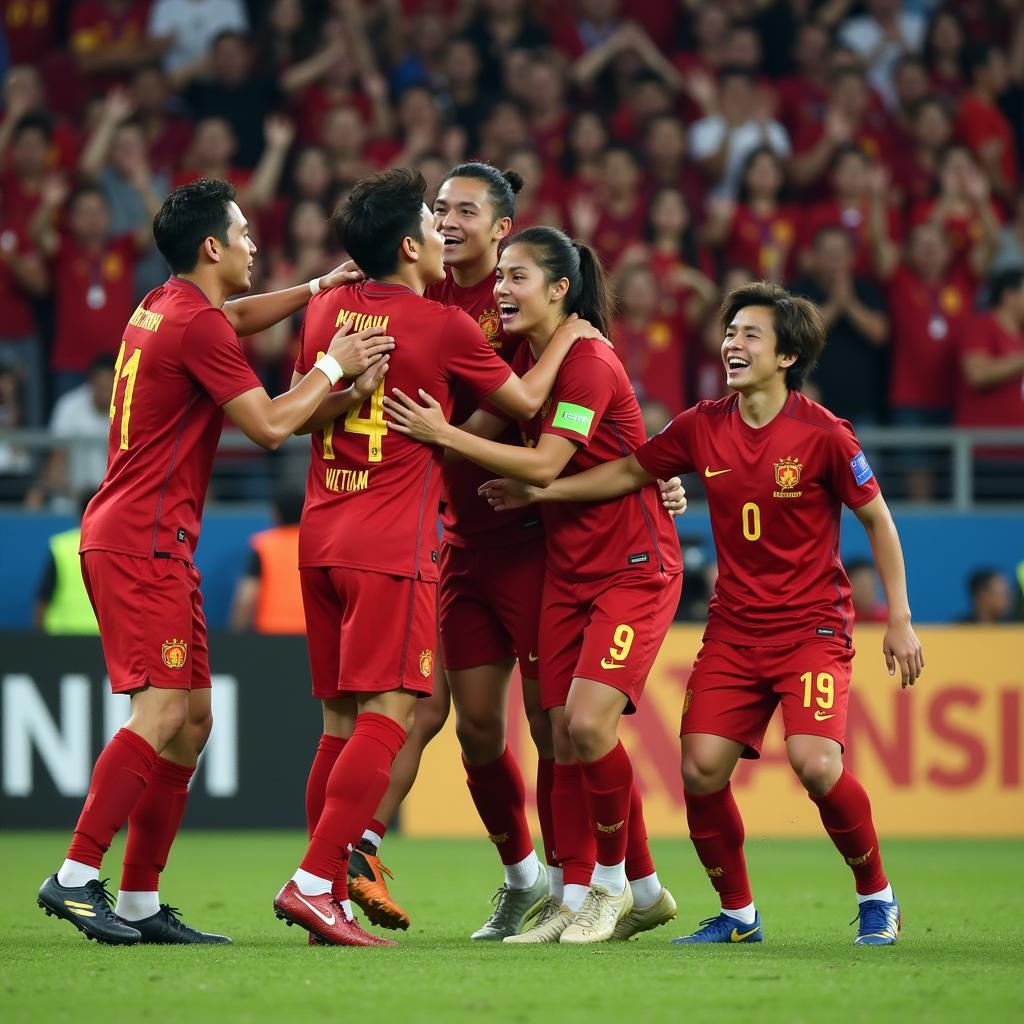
pixel 558 256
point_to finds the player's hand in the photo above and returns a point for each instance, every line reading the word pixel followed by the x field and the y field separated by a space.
pixel 673 495
pixel 346 273
pixel 504 494
pixel 425 423
pixel 357 352
pixel 577 329
pixel 366 383
pixel 901 647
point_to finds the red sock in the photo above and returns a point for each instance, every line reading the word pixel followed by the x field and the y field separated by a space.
pixel 500 797
pixel 609 784
pixel 327 751
pixel 354 789
pixel 639 863
pixel 545 780
pixel 377 826
pixel 716 829
pixel 153 824
pixel 574 837
pixel 118 780
pixel 846 814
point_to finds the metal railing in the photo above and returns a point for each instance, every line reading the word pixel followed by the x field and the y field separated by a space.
pixel 952 468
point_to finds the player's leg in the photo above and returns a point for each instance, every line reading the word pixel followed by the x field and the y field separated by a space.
pixel 367 875
pixel 814 687
pixel 541 734
pixel 725 714
pixel 146 650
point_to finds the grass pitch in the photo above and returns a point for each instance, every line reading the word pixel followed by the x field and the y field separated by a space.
pixel 959 959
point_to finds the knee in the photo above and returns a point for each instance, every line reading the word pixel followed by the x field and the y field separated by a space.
pixel 818 772
pixel 702 774
pixel 429 719
pixel 197 731
pixel 481 737
pixel 165 720
pixel 591 734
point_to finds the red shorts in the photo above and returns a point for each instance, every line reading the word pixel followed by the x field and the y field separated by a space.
pixel 609 629
pixel 733 691
pixel 368 632
pixel 489 605
pixel 151 621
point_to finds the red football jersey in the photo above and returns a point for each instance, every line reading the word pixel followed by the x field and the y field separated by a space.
pixel 179 362
pixel 372 494
pixel 1003 404
pixel 467 519
pixel 775 495
pixel 593 405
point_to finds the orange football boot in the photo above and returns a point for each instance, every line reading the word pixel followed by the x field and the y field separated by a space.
pixel 367 888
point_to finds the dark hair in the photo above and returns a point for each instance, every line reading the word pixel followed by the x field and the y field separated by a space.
pixel 569 162
pixel 976 55
pixel 103 362
pixel 502 186
pixel 799 329
pixel 34 123
pixel 981 578
pixel 844 150
pixel 688 249
pixel 1008 280
pixel 377 215
pixel 190 215
pixel 288 502
pixel 230 33
pixel 589 295
pixel 858 565
pixel 744 192
pixel 928 49
pixel 736 71
pixel 87 189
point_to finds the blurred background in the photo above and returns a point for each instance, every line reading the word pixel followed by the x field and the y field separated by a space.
pixel 865 154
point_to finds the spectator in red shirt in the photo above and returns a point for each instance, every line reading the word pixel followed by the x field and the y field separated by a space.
pixel 991 386
pixel 109 41
pixel 93 275
pixel 23 94
pixel 929 309
pixel 760 230
pixel 167 134
pixel 30 28
pixel 964 211
pixel 547 110
pixel 587 138
pixel 943 52
pixel 665 156
pixel 803 95
pixel 982 125
pixel 504 129
pixel 853 175
pixel 24 168
pixel 651 345
pixel 285 36
pixel 915 165
pixel 620 216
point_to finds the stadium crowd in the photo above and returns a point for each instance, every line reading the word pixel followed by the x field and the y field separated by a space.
pixel 866 155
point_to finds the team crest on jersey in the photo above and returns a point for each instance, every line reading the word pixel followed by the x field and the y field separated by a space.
pixel 174 653
pixel 490 324
pixel 545 408
pixel 426 663
pixel 787 476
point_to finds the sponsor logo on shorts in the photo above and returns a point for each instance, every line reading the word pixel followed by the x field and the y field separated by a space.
pixel 610 829
pixel 174 653
pixel 820 716
pixel 862 859
pixel 787 477
pixel 825 631
pixel 609 664
pixel 426 663
pixel 639 558
pixel 532 657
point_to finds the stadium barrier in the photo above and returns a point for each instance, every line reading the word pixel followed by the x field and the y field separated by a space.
pixel 943 759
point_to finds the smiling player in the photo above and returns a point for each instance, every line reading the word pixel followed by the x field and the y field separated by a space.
pixel 778 469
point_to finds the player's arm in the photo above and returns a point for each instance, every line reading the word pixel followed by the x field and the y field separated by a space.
pixel 609 480
pixel 522 397
pixel 254 313
pixel 338 403
pixel 900 645
pixel 426 423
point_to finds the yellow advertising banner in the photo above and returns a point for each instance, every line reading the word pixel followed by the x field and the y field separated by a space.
pixel 941 759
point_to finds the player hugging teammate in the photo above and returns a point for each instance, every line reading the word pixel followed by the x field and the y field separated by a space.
pixel 778 469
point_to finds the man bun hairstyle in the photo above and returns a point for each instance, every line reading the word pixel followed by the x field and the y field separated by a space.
pixel 589 295
pixel 502 186
pixel 377 215
pixel 190 215
pixel 799 329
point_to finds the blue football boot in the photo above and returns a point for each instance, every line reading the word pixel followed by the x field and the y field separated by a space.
pixel 724 929
pixel 878 923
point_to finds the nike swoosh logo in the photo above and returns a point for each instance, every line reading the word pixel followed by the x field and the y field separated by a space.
pixel 533 657
pixel 709 472
pixel 605 663
pixel 737 937
pixel 323 917
pixel 819 717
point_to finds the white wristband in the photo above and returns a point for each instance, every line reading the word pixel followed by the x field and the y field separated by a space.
pixel 332 369
pixel 314 286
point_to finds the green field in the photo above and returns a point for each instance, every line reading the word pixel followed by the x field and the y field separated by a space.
pixel 960 957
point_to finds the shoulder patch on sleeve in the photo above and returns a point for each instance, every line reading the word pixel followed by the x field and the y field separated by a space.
pixel 862 472
pixel 577 418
